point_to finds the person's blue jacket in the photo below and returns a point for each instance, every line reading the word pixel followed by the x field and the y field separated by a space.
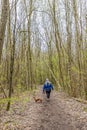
pixel 47 87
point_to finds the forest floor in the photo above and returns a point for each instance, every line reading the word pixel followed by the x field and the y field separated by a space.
pixel 60 112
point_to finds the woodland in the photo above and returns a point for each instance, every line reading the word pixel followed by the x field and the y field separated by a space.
pixel 42 39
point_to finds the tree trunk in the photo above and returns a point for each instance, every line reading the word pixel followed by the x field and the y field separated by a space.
pixel 58 44
pixel 12 63
pixel 69 40
pixel 4 16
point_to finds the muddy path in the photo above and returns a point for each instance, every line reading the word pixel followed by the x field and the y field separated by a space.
pixel 58 113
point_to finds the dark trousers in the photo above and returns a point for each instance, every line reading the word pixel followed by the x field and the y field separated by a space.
pixel 48 93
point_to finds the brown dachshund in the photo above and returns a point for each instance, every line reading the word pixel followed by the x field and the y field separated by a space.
pixel 37 99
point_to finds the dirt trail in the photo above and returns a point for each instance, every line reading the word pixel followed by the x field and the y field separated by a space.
pixel 58 113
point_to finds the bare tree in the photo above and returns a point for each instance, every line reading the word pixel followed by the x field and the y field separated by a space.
pixel 12 61
pixel 69 40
